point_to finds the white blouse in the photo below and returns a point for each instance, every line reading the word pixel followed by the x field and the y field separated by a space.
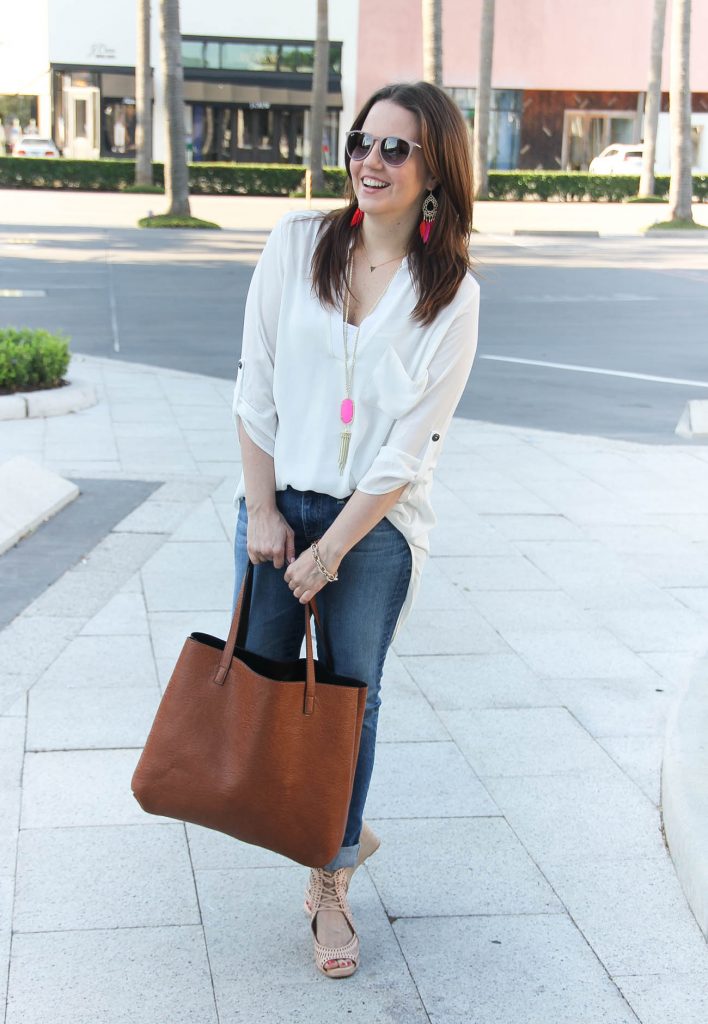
pixel 406 385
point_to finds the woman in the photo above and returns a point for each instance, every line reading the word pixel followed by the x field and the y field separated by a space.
pixel 359 335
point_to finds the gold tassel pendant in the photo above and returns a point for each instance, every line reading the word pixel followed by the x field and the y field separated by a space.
pixel 344 438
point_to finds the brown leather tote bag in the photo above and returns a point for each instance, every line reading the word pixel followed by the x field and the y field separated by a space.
pixel 262 750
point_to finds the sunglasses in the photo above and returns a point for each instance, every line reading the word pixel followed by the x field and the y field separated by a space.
pixel 394 151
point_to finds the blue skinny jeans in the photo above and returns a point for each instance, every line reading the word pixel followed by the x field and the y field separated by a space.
pixel 358 614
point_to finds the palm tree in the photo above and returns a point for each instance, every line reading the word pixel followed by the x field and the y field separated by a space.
pixel 482 102
pixel 432 41
pixel 651 113
pixel 143 97
pixel 176 173
pixel 320 76
pixel 681 188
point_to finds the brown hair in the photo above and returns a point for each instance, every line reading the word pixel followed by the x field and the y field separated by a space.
pixel 439 267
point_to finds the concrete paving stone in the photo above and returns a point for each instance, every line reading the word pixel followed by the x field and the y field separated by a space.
pixel 449 631
pixel 13 702
pixel 479 475
pixel 134 876
pixel 676 497
pixel 635 592
pixel 423 780
pixel 576 653
pixel 182 576
pixel 608 510
pixel 695 598
pixel 656 629
pixel 224 493
pixel 453 536
pixel 10 799
pixel 12 748
pixel 211 850
pixel 7 888
pixel 658 998
pixel 167 428
pixel 633 913
pixel 579 817
pixel 508 968
pixel 574 565
pixel 169 630
pixel 503 501
pixel 432 867
pixel 203 523
pixel 239 907
pixel 121 976
pixel 80 468
pixel 124 615
pixel 121 552
pixel 640 758
pixel 95 662
pixel 200 417
pixel 134 389
pixel 669 570
pixel 154 410
pixel 81 718
pixel 191 390
pixel 154 517
pixel 672 667
pixel 79 593
pixel 215 445
pixel 477 681
pixel 81 787
pixel 227 517
pixel 188 490
pixel 524 741
pixel 692 526
pixel 521 609
pixel 407 717
pixel 437 590
pixel 617 706
pixel 137 455
pixel 534 527
pixel 31 643
pixel 133 585
pixel 638 539
pixel 498 572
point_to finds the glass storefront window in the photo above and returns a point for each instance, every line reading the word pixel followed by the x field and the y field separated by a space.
pixel 119 127
pixel 249 57
pixel 192 53
pixel 297 58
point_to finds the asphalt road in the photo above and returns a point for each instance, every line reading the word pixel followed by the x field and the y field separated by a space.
pixel 570 328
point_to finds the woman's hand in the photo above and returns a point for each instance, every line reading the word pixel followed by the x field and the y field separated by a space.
pixel 269 538
pixel 304 578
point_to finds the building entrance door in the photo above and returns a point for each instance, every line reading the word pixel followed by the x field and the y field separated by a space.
pixel 81 104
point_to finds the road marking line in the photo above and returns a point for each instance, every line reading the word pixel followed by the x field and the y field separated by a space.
pixel 596 369
pixel 19 293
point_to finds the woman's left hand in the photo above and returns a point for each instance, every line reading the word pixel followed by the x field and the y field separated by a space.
pixel 304 578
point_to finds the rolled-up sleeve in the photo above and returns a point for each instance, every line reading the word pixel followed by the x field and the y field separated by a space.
pixel 253 400
pixel 415 440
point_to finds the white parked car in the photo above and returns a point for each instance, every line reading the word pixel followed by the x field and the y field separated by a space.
pixel 618 159
pixel 32 145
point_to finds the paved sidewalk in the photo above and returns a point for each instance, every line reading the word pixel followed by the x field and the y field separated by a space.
pixel 522 877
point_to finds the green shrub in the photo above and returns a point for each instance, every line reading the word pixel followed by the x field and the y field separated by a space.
pixel 288 179
pixel 163 220
pixel 31 359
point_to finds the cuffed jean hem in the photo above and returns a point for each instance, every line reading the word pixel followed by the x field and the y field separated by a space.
pixel 346 858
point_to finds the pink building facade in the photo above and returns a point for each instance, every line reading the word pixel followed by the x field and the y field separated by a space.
pixel 568 77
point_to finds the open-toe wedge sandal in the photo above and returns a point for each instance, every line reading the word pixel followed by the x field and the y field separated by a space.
pixel 329 892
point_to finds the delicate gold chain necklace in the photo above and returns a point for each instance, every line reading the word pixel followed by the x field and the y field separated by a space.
pixel 373 267
pixel 346 409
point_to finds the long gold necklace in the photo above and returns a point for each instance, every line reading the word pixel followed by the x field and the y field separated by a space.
pixel 346 409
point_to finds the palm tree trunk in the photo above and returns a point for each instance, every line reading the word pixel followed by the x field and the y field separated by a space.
pixel 143 97
pixel 651 113
pixel 176 173
pixel 320 75
pixel 681 188
pixel 480 159
pixel 432 41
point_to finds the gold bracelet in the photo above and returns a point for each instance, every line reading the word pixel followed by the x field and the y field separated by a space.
pixel 331 577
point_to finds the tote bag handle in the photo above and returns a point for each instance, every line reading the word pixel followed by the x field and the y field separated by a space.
pixel 238 633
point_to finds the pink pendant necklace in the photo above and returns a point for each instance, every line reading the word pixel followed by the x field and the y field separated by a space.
pixel 346 408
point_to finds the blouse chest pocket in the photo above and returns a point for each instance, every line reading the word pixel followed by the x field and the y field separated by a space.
pixel 391 388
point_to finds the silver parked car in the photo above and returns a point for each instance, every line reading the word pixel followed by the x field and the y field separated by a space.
pixel 32 145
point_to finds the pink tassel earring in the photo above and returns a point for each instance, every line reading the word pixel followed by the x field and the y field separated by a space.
pixel 357 217
pixel 430 209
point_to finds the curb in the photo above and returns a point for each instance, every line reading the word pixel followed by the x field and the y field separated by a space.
pixel 75 396
pixel 684 792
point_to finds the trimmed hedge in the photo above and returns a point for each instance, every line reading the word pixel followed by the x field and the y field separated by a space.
pixel 31 359
pixel 284 179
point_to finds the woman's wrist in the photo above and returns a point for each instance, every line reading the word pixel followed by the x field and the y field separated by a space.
pixel 329 552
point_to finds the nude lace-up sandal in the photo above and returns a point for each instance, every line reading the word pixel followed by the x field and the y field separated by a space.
pixel 328 891
pixel 369 843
